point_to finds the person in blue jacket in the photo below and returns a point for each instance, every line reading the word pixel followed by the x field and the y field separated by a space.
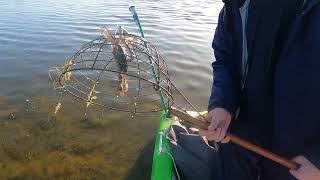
pixel 266 88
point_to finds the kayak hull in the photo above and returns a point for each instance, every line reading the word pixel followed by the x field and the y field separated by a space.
pixel 162 165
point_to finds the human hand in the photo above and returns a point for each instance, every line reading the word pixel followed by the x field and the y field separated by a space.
pixel 306 171
pixel 219 119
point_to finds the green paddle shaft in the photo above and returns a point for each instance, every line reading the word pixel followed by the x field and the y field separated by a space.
pixel 136 19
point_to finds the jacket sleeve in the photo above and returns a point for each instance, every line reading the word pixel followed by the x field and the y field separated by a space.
pixel 225 90
pixel 308 49
pixel 311 97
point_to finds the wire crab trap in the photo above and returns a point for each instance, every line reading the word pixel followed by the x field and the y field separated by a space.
pixel 118 71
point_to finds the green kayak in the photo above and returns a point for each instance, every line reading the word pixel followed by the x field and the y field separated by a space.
pixel 162 166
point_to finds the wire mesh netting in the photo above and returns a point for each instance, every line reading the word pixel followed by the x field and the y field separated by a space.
pixel 119 71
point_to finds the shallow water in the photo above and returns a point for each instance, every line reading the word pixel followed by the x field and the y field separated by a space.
pixel 79 142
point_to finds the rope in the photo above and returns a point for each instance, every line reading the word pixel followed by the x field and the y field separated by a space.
pixel 174 163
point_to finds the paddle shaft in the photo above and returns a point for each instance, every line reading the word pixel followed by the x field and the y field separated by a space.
pixel 236 140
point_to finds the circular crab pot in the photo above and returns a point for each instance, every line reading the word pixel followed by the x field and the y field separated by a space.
pixel 125 74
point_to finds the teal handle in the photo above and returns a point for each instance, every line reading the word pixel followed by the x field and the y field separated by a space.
pixel 136 19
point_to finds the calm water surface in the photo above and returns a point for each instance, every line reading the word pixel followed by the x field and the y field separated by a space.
pixel 79 142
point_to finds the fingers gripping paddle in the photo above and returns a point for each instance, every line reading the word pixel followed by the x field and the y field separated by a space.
pixel 236 140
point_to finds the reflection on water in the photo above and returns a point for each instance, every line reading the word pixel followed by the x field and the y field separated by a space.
pixel 79 142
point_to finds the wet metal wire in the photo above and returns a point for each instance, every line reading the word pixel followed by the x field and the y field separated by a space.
pixel 93 75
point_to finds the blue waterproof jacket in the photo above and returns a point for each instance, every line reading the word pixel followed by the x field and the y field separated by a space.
pixel 280 101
